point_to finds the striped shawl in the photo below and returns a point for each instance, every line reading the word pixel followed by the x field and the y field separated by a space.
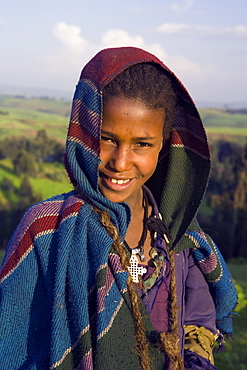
pixel 64 303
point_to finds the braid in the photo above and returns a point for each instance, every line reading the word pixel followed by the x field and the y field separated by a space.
pixel 140 332
pixel 169 340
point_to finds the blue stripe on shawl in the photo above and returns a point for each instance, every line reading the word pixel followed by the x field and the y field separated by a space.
pixel 222 288
pixel 87 93
pixel 112 300
pixel 86 172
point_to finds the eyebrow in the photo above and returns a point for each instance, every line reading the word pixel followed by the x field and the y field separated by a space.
pixel 113 136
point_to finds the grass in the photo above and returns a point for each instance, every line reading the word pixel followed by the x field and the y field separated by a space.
pixel 221 118
pixel 53 180
pixel 47 188
pixel 6 170
pixel 26 122
pixel 54 106
pixel 24 117
pixel 235 356
pixel 21 117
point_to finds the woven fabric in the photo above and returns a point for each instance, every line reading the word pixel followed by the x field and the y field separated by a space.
pixel 217 275
pixel 64 303
pixel 72 310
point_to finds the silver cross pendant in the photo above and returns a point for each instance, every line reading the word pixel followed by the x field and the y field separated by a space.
pixel 134 269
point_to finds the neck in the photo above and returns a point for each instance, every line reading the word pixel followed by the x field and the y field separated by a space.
pixel 136 203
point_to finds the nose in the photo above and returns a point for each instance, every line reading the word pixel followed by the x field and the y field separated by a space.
pixel 121 159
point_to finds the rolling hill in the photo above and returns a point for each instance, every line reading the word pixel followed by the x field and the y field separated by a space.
pixel 21 116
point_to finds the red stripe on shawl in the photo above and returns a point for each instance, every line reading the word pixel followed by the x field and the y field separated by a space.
pixel 40 225
pixel 108 66
pixel 110 62
pixel 81 114
pixel 188 140
pixel 81 134
pixel 72 209
pixel 26 242
pixel 208 264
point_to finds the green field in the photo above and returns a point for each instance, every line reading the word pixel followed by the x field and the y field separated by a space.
pixel 53 180
pixel 222 118
pixel 24 117
pixel 60 107
pixel 235 355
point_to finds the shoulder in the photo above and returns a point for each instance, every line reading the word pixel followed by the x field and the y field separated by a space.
pixel 43 218
pixel 48 211
pixel 58 206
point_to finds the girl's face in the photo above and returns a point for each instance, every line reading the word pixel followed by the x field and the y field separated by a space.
pixel 131 139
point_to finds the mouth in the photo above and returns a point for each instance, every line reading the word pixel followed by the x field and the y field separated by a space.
pixel 115 184
pixel 119 182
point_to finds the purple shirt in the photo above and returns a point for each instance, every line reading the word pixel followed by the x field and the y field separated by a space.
pixel 194 301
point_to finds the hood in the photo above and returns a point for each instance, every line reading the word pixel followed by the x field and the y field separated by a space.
pixel 180 179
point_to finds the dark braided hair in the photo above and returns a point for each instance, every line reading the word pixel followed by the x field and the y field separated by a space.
pixel 149 83
pixel 168 342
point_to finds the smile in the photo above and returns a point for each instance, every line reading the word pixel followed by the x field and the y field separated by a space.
pixel 119 182
pixel 116 184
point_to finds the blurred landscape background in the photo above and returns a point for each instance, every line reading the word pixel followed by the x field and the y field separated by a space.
pixel 44 45
pixel 32 138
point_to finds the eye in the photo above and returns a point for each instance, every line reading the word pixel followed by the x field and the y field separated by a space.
pixel 143 144
pixel 107 140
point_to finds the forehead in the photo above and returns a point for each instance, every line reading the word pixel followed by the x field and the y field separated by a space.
pixel 121 113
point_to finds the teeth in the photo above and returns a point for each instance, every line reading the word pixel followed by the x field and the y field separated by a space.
pixel 119 182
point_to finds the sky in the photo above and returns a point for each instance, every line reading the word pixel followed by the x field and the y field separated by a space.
pixel 45 43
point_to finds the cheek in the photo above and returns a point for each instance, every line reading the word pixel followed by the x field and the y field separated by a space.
pixel 150 164
pixel 104 154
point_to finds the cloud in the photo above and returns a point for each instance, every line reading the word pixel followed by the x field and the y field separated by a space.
pixel 201 30
pixel 173 28
pixel 240 30
pixel 63 66
pixel 70 36
pixel 119 37
pixel 180 64
pixel 180 8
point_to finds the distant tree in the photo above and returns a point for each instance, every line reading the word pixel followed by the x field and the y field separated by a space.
pixel 57 152
pixel 7 184
pixel 226 199
pixel 4 113
pixel 10 215
pixel 2 153
pixel 41 144
pixel 25 190
pixel 24 163
pixel 42 148
pixel 10 147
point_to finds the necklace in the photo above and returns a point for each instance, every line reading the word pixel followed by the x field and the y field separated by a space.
pixel 135 270
pixel 139 250
pixel 155 225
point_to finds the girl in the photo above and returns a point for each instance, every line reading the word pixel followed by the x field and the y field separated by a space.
pixel 117 274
